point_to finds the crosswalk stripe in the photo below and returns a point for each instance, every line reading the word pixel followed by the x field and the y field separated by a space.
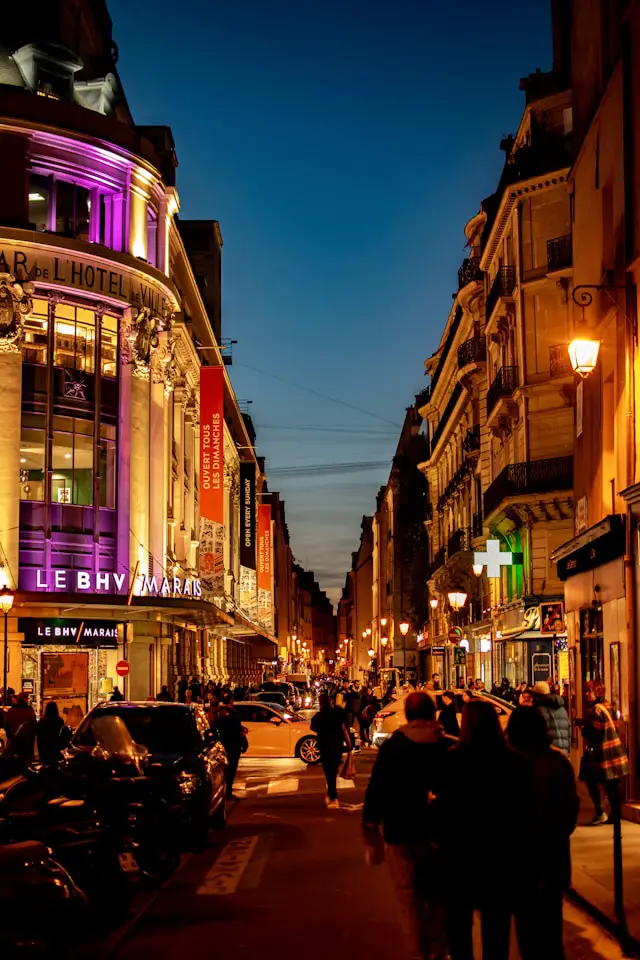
pixel 225 874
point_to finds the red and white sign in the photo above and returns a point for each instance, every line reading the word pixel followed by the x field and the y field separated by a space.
pixel 264 547
pixel 212 444
pixel 122 668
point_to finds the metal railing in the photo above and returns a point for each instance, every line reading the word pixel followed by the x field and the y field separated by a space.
pixel 559 253
pixel 439 559
pixel 469 271
pixel 530 476
pixel 503 286
pixel 503 386
pixel 472 351
pixel 471 442
pixel 453 329
pixel 458 541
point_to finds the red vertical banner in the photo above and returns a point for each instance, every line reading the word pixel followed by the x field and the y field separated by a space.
pixel 265 566
pixel 212 481
pixel 212 444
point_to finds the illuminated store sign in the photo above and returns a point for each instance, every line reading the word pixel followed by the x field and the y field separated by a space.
pixel 81 581
pixel 41 266
pixel 80 633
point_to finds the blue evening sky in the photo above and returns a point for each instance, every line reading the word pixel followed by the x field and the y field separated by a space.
pixel 342 145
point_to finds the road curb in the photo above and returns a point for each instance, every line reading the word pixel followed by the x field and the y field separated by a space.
pixel 629 944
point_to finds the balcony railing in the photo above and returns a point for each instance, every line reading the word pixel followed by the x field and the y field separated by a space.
pixel 422 398
pixel 448 410
pixel 453 329
pixel 503 386
pixel 472 351
pixel 532 476
pixel 439 559
pixel 559 363
pixel 458 541
pixel 502 286
pixel 469 271
pixel 471 442
pixel 559 253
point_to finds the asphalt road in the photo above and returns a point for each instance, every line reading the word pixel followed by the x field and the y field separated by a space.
pixel 288 877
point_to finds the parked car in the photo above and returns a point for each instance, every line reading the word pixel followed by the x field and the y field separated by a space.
pixel 177 736
pixel 270 696
pixel 276 731
pixel 392 716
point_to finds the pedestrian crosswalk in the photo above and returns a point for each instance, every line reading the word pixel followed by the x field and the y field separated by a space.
pixel 264 786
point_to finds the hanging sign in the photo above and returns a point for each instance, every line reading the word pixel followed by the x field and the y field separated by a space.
pixel 248 515
pixel 212 480
pixel 265 589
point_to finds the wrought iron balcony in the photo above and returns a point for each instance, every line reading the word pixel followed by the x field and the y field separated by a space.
pixel 469 271
pixel 472 351
pixel 471 442
pixel 531 476
pixel 559 253
pixel 504 384
pixel 559 363
pixel 422 398
pixel 458 541
pixel 502 287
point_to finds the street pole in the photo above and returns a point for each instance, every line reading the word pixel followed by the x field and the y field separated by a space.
pixel 6 659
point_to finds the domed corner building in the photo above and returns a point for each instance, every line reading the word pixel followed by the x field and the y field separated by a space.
pixel 104 327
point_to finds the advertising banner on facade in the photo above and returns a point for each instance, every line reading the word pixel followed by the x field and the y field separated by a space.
pixel 248 515
pixel 212 481
pixel 265 566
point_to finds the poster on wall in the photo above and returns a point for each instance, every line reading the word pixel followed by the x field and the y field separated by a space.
pixel 265 567
pixel 212 481
pixel 248 593
pixel 65 679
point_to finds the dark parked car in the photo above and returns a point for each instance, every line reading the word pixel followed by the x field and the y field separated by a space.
pixel 176 736
pixel 270 696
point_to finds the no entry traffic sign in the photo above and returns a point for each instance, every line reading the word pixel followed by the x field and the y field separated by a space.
pixel 455 634
pixel 122 668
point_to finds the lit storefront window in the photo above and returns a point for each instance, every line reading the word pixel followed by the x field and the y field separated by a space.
pixel 107 466
pixel 75 336
pixel 39 202
pixel 34 346
pixel 32 437
pixel 72 461
pixel 109 346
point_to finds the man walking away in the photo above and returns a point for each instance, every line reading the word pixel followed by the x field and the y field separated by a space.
pixel 448 718
pixel 407 770
pixel 233 738
pixel 331 731
pixel 555 715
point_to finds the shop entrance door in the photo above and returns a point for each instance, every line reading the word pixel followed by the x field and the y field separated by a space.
pixel 65 679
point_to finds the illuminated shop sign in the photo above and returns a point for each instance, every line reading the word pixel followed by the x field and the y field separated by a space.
pixel 42 266
pixel 79 633
pixel 81 581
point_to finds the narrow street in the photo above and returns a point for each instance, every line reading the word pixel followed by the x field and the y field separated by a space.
pixel 288 876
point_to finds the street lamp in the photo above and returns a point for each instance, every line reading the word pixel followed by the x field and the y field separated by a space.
pixel 383 621
pixel 371 652
pixel 384 641
pixel 457 599
pixel 583 354
pixel 433 603
pixel 6 602
pixel 478 568
pixel 404 628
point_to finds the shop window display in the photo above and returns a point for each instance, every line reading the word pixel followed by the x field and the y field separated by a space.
pixel 34 345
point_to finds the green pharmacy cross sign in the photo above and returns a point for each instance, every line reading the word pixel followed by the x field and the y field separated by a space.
pixel 495 559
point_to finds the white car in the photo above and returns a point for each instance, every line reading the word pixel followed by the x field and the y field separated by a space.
pixel 391 717
pixel 274 731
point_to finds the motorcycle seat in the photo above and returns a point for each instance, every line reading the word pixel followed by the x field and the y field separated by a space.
pixel 29 851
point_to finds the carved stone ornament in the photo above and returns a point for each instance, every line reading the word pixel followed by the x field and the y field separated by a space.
pixel 164 365
pixel 16 303
pixel 140 339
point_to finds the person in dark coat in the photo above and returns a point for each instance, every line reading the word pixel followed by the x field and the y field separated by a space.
pixel 486 786
pixel 407 770
pixel 233 737
pixel 182 690
pixel 116 696
pixel 164 696
pixel 555 714
pixel 20 726
pixel 555 808
pixel 330 728
pixel 447 717
pixel 52 735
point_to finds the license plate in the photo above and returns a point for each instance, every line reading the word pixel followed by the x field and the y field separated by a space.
pixel 128 862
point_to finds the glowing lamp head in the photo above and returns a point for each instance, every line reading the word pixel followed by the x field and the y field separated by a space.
pixel 477 569
pixel 583 354
pixel 433 603
pixel 384 641
pixel 371 652
pixel 404 628
pixel 457 599
pixel 383 621
pixel 6 599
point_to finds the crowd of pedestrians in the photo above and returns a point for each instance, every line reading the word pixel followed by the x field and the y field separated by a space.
pixel 437 781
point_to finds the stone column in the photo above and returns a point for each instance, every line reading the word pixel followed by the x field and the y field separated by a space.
pixel 15 305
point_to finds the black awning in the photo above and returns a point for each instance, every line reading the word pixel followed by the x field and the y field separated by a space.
pixel 599 545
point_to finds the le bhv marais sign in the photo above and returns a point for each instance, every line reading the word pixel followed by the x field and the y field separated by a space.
pixel 81 581
pixel 42 266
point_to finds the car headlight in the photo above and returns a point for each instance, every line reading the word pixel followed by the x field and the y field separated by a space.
pixel 188 783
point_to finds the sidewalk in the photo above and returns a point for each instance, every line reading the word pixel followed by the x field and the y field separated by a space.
pixel 592 867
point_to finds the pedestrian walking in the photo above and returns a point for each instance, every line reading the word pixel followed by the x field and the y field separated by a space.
pixel 329 726
pixel 407 770
pixel 604 761
pixel 487 786
pixel 448 718
pixel 233 737
pixel 435 680
pixel 555 809
pixel 116 696
pixel 20 726
pixel 555 715
pixel 52 735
